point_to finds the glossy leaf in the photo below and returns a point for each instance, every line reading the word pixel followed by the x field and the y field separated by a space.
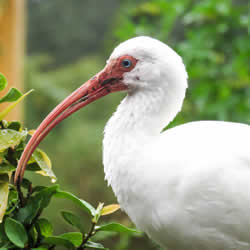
pixel 4 178
pixel 12 201
pixel 4 124
pixel 3 237
pixel 4 192
pixel 3 82
pixel 45 195
pixel 4 248
pixel 15 125
pixel 58 241
pixel 115 227
pixel 12 96
pixel 16 232
pixel 73 220
pixel 32 131
pixel 94 245
pixel 6 168
pixel 9 137
pixel 26 183
pixel 33 235
pixel 110 209
pixel 44 227
pixel 44 163
pixel 83 204
pixel 75 238
pixel 27 214
pixel 12 105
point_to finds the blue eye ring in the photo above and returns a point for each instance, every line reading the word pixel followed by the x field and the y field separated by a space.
pixel 126 63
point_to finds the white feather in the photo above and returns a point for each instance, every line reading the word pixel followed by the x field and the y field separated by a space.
pixel 187 187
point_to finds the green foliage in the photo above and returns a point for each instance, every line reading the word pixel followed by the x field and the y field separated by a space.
pixel 15 232
pixel 86 21
pixel 25 228
pixel 13 95
pixel 21 207
pixel 3 82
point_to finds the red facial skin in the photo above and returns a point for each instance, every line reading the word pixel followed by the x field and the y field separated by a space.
pixel 109 80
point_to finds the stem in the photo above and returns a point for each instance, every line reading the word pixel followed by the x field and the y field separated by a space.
pixel 29 191
pixel 89 235
pixel 20 194
pixel 34 220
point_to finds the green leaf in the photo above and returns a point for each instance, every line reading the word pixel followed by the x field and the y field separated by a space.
pixel 94 245
pixel 45 195
pixel 16 233
pixel 12 201
pixel 15 125
pixel 12 95
pixel 3 236
pixel 37 189
pixel 44 227
pixel 13 196
pixel 27 214
pixel 9 137
pixel 26 183
pixel 73 220
pixel 57 240
pixel 4 124
pixel 33 167
pixel 39 248
pixel 13 105
pixel 83 204
pixel 3 82
pixel 4 178
pixel 4 192
pixel 116 227
pixel 44 163
pixel 6 168
pixel 75 238
pixel 33 235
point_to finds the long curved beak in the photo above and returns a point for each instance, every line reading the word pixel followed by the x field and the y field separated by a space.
pixel 100 85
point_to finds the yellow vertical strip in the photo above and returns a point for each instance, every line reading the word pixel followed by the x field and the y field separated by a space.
pixel 12 21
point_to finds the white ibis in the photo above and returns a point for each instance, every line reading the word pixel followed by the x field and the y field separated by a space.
pixel 188 187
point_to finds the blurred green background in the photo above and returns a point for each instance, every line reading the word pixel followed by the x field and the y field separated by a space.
pixel 69 41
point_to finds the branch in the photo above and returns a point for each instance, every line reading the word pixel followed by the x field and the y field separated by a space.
pixel 89 235
pixel 20 193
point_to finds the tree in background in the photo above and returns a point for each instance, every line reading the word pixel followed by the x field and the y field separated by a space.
pixel 67 31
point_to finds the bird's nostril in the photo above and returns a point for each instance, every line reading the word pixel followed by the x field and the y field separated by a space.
pixel 84 98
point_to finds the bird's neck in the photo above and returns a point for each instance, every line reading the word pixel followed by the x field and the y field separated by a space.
pixel 139 120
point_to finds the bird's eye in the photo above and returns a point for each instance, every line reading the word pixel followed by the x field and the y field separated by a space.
pixel 126 63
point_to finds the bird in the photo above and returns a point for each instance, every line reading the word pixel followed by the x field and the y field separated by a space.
pixel 186 187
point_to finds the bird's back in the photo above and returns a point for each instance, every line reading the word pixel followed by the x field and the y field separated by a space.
pixel 199 175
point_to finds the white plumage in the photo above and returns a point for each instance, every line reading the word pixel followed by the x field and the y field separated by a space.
pixel 188 187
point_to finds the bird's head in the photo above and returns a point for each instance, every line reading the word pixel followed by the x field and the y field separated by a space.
pixel 147 63
pixel 141 63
